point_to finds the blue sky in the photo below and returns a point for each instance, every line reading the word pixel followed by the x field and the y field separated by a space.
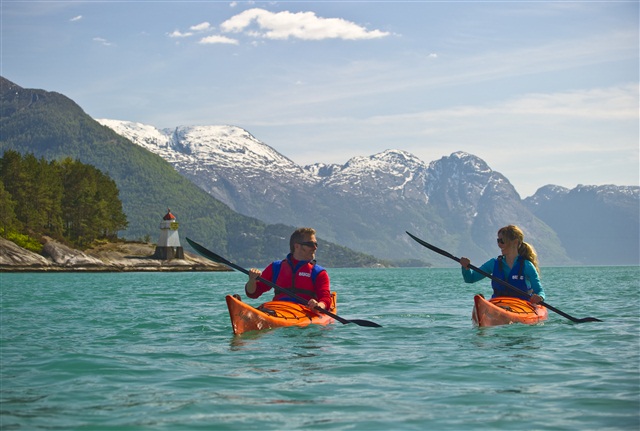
pixel 546 92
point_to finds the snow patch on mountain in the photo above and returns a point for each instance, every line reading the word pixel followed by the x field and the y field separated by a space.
pixel 199 147
pixel 196 150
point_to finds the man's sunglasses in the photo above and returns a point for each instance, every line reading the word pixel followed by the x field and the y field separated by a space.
pixel 309 244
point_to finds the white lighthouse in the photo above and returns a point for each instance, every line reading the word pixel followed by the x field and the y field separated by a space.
pixel 169 243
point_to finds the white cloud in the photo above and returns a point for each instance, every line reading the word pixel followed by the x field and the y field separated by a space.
pixel 102 41
pixel 301 25
pixel 179 34
pixel 218 39
pixel 76 18
pixel 200 27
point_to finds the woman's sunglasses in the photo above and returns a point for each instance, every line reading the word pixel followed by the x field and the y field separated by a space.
pixel 500 241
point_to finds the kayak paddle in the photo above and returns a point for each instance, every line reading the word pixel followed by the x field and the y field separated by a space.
pixel 216 258
pixel 502 282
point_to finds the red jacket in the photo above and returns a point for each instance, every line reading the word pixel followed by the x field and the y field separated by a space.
pixel 301 284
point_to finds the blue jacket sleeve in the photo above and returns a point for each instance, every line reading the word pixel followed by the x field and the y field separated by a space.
pixel 533 278
pixel 471 276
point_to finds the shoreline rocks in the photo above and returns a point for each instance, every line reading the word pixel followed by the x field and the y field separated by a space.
pixel 110 257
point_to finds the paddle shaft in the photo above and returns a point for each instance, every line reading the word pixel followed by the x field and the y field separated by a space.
pixel 499 280
pixel 216 258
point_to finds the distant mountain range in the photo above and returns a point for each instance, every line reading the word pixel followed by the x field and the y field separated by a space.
pixel 597 225
pixel 457 202
pixel 241 197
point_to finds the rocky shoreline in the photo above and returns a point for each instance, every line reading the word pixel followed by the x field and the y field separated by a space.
pixel 111 257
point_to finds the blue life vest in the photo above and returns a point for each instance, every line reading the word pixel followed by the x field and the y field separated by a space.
pixel 315 270
pixel 516 279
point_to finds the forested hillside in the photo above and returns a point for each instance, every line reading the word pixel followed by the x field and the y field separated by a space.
pixel 66 200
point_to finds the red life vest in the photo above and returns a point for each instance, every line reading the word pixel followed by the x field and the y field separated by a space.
pixel 298 278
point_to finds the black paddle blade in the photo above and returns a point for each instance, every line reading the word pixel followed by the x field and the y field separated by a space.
pixel 588 319
pixel 208 253
pixel 432 247
pixel 568 316
pixel 366 323
pixel 359 322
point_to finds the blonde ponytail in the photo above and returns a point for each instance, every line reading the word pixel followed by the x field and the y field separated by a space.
pixel 514 233
pixel 528 252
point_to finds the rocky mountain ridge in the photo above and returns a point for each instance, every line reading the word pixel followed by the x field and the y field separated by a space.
pixel 368 202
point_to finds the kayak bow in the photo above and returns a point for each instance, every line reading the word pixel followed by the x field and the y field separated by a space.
pixel 504 310
pixel 274 314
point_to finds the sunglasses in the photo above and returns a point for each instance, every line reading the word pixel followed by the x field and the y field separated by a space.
pixel 500 241
pixel 309 244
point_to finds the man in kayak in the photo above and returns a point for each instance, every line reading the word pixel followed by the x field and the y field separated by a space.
pixel 297 273
pixel 518 265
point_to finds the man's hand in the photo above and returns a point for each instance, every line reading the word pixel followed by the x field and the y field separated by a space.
pixel 312 304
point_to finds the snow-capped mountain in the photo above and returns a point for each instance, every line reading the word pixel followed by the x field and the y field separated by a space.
pixel 226 161
pixel 365 204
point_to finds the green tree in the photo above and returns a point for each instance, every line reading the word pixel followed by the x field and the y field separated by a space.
pixel 67 199
pixel 44 188
pixel 8 220
pixel 14 179
pixel 110 215
pixel 90 203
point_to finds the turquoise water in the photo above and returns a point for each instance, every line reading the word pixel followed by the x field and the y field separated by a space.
pixel 155 351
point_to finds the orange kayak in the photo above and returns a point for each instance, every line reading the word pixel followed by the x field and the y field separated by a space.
pixel 274 314
pixel 506 310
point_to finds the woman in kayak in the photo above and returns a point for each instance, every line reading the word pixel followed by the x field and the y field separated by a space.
pixel 297 273
pixel 517 265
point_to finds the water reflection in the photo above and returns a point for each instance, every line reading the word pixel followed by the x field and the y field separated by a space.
pixel 508 336
pixel 247 340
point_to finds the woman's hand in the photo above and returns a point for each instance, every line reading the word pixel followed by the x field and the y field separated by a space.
pixel 465 262
pixel 536 299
